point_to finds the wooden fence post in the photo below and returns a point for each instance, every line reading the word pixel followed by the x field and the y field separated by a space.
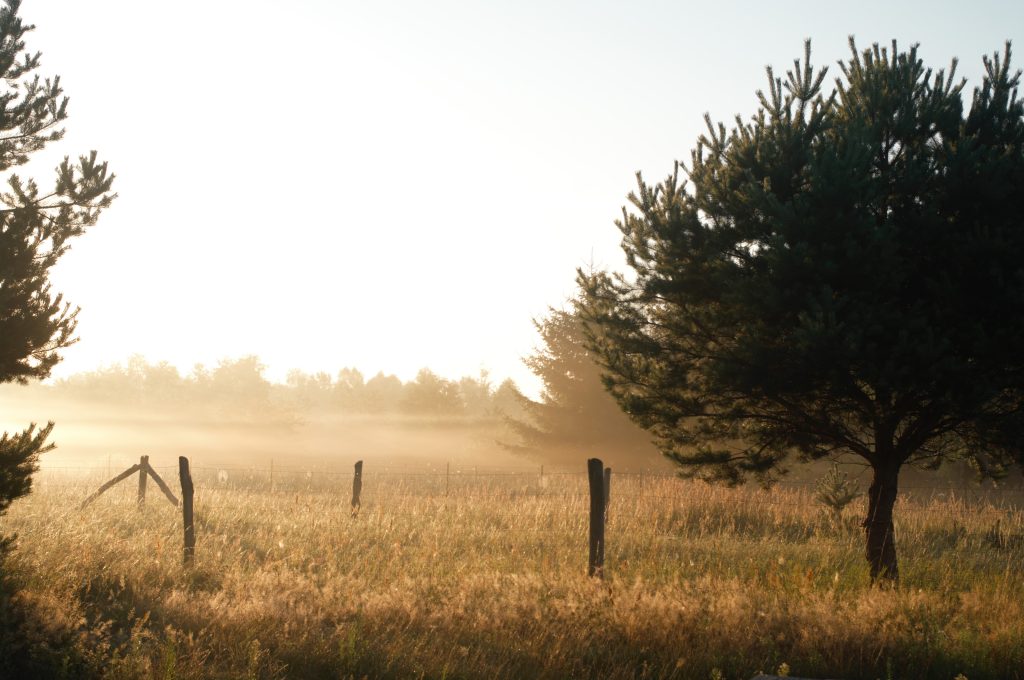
pixel 143 473
pixel 597 505
pixel 124 475
pixel 160 483
pixel 607 491
pixel 187 491
pixel 357 487
pixel 447 477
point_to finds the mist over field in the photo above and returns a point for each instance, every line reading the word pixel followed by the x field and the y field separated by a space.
pixel 461 340
pixel 232 416
pixel 87 434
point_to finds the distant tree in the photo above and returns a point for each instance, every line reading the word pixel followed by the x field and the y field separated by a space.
pixel 575 417
pixel 137 382
pixel 310 392
pixel 507 401
pixel 162 383
pixel 382 393
pixel 844 275
pixel 107 383
pixel 237 388
pixel 36 229
pixel 476 395
pixel 348 388
pixel 430 394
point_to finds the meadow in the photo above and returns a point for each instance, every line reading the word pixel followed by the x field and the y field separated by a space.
pixel 484 576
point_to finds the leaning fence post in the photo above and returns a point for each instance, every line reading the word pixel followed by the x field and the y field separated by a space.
pixel 597 505
pixel 160 483
pixel 124 475
pixel 357 487
pixel 607 491
pixel 143 469
pixel 187 491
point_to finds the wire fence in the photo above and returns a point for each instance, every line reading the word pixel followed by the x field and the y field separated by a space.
pixel 481 482
pixel 540 508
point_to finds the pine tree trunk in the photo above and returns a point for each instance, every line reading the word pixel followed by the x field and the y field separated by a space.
pixel 881 537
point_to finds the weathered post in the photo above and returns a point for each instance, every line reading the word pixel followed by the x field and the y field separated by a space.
pixel 597 504
pixel 187 491
pixel 607 491
pixel 143 474
pixel 357 487
pixel 447 477
pixel 124 475
pixel 161 484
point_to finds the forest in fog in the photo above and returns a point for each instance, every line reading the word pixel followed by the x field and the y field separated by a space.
pixel 232 413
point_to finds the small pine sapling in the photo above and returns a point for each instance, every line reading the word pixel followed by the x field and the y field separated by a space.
pixel 835 491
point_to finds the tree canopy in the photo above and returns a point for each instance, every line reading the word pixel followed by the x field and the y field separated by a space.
pixel 843 273
pixel 36 229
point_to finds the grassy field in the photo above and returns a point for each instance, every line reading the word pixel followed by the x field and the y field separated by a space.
pixel 489 582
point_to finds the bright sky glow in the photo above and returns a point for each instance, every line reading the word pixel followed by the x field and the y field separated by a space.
pixel 393 185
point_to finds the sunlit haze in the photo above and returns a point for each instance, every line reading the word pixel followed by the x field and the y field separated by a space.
pixel 339 408
pixel 397 185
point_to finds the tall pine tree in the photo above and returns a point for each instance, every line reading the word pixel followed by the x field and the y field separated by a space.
pixel 844 274
pixel 575 417
pixel 36 228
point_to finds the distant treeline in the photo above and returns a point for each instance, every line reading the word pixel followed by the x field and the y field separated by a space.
pixel 237 389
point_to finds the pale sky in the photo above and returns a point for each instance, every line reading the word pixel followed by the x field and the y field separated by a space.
pixel 393 185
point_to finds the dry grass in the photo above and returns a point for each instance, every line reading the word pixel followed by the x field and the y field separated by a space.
pixel 489 583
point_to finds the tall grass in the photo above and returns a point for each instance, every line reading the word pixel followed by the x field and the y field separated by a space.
pixel 489 582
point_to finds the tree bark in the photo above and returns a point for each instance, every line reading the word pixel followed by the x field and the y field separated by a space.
pixel 881 537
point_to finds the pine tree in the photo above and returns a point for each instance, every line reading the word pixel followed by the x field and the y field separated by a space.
pixel 36 229
pixel 843 274
pixel 835 491
pixel 575 418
